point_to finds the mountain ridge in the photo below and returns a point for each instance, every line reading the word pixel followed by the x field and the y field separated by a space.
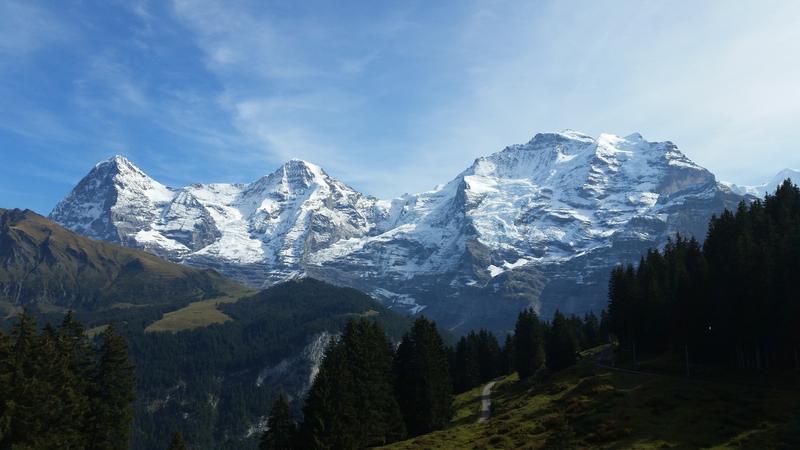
pixel 48 266
pixel 768 187
pixel 498 229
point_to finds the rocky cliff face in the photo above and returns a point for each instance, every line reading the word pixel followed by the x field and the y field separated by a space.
pixel 536 224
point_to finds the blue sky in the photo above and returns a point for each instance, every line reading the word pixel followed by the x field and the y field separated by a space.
pixel 390 97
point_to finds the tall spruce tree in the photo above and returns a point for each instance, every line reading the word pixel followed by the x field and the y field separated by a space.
pixel 112 392
pixel 466 364
pixel 423 385
pixel 281 429
pixel 23 413
pixel 489 355
pixel 177 442
pixel 6 373
pixel 508 355
pixel 591 330
pixel 529 355
pixel 561 343
pixel 351 403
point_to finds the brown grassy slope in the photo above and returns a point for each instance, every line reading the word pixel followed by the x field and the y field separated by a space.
pixel 45 264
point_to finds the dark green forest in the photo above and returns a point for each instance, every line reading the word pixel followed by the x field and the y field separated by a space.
pixel 202 383
pixel 61 390
pixel 210 373
pixel 732 301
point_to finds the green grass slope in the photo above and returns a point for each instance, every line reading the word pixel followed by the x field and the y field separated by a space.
pixel 49 267
pixel 589 406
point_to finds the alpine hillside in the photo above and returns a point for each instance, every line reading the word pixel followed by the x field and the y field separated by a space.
pixel 47 267
pixel 536 224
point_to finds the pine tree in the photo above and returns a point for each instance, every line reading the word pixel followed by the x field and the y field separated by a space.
pixel 508 355
pixel 23 409
pixel 177 443
pixel 351 403
pixel 529 354
pixel 488 355
pixel 591 331
pixel 112 393
pixel 281 429
pixel 423 385
pixel 62 402
pixel 466 365
pixel 6 388
pixel 561 344
pixel 603 330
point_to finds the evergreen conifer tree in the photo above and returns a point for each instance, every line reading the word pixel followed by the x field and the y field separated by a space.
pixel 281 429
pixel 112 392
pixel 561 344
pixel 508 355
pixel 177 443
pixel 423 385
pixel 466 365
pixel 6 372
pixel 351 403
pixel 488 355
pixel 529 355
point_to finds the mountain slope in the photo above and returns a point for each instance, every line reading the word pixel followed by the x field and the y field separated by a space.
pixel 591 406
pixel 44 264
pixel 215 384
pixel 260 232
pixel 505 232
pixel 537 224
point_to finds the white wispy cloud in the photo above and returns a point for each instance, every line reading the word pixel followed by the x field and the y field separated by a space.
pixel 26 28
pixel 716 79
pixel 399 97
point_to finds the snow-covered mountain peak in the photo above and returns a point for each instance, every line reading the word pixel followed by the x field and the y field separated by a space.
pixel 114 187
pixel 302 169
pixel 792 174
pixel 569 134
pixel 294 176
pixel 562 206
pixel 122 174
pixel 118 161
pixel 578 156
pixel 768 187
pixel 565 192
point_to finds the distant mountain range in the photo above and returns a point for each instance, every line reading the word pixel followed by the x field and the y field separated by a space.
pixel 765 188
pixel 537 224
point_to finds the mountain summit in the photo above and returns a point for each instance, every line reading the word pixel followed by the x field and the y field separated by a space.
pixel 765 188
pixel 535 224
pixel 114 200
pixel 259 232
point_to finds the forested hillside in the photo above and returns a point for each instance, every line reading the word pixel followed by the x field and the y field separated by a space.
pixel 215 384
pixel 732 301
